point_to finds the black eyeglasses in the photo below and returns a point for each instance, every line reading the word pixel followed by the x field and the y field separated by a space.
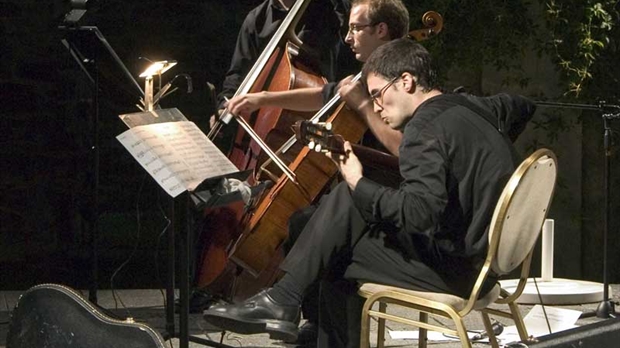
pixel 377 97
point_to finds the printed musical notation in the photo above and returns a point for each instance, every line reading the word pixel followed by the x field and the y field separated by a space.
pixel 176 154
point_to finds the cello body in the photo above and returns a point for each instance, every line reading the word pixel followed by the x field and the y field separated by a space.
pixel 284 71
pixel 280 67
pixel 267 229
pixel 274 126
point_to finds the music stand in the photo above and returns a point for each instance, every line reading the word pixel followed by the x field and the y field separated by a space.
pixel 98 61
pixel 206 194
pixel 203 197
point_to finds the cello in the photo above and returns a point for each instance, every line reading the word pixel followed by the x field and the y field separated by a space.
pixel 257 251
pixel 279 67
pixel 266 229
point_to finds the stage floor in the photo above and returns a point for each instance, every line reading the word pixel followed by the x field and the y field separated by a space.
pixel 147 306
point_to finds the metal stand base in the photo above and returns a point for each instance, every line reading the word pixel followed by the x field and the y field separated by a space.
pixel 606 309
pixel 557 291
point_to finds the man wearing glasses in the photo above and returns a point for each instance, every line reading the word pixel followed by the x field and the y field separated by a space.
pixel 429 234
pixel 372 23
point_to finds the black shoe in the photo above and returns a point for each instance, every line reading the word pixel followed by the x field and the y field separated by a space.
pixel 258 314
pixel 307 335
pixel 198 301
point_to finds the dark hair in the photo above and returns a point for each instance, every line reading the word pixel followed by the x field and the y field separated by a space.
pixel 391 12
pixel 398 56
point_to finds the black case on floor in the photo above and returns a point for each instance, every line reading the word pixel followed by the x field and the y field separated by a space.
pixel 56 316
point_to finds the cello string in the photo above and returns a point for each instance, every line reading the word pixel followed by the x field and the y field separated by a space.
pixel 286 29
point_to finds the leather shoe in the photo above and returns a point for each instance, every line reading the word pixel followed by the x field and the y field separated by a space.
pixel 198 301
pixel 258 314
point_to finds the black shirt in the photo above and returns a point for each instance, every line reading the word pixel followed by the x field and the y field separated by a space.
pixel 455 164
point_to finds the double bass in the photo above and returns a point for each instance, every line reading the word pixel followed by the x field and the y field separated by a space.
pixel 281 66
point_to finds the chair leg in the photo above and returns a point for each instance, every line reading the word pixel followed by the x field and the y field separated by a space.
pixel 381 326
pixel 518 319
pixel 489 328
pixel 462 331
pixel 423 333
pixel 365 329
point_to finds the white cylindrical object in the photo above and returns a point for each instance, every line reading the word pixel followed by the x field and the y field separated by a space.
pixel 547 251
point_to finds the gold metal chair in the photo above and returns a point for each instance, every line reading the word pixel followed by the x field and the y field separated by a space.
pixel 514 229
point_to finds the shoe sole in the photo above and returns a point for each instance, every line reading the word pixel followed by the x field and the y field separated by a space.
pixel 277 329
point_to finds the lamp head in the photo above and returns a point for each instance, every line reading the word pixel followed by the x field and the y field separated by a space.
pixel 158 68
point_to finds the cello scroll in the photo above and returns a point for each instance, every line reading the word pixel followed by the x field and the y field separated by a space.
pixel 433 24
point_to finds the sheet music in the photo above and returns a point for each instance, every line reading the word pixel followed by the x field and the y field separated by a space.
pixel 178 155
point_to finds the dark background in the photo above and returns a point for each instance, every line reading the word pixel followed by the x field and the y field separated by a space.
pixel 49 118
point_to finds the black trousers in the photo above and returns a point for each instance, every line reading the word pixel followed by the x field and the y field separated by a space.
pixel 337 248
pixel 296 224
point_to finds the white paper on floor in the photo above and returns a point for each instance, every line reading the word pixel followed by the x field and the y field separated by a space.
pixel 431 336
pixel 559 319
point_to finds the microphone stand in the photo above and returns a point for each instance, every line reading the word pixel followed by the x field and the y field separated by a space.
pixel 606 308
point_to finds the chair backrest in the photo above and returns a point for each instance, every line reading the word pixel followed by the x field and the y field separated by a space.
pixel 518 217
pixel 521 211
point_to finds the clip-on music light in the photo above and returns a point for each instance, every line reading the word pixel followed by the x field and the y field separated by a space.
pixel 156 68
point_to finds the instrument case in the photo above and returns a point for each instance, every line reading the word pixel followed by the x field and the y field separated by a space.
pixel 56 316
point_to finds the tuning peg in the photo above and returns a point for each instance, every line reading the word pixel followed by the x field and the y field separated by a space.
pixel 328 126
pixel 317 148
pixel 311 144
